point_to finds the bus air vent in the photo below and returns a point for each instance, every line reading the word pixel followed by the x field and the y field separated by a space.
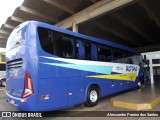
pixel 17 63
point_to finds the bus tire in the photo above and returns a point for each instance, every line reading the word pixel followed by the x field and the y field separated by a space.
pixel 92 96
pixel 139 85
pixel 3 82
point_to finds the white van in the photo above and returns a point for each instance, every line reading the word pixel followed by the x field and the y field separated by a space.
pixel 2 74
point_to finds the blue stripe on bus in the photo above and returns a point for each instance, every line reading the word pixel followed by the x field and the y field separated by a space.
pixel 89 68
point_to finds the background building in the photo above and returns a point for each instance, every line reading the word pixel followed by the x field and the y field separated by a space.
pixel 2 56
pixel 154 65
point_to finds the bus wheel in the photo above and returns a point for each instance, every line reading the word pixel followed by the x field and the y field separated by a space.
pixel 139 84
pixel 92 96
pixel 3 82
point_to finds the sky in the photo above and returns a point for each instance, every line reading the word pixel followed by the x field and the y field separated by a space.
pixel 7 8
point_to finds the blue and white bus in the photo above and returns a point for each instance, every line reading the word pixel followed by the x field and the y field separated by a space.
pixel 49 68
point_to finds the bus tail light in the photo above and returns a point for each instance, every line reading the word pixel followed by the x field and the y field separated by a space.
pixel 28 86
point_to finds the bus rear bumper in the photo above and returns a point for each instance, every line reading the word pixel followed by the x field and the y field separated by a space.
pixel 24 104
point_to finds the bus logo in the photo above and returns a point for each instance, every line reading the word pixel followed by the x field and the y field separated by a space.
pixel 131 68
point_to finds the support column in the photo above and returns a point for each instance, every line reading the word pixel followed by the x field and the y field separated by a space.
pixel 151 69
pixel 74 27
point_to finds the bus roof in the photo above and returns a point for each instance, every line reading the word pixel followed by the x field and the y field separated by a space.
pixel 82 36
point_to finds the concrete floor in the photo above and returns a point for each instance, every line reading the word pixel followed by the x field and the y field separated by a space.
pixel 104 105
pixel 141 99
pixel 146 94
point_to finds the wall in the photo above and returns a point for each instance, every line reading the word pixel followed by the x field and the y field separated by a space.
pixel 154 65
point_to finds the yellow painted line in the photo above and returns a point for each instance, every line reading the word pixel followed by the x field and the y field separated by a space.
pixel 127 76
pixel 155 102
pixel 134 106
pixel 2 62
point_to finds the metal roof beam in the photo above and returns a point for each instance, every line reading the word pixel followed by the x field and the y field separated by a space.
pixel 3 37
pixel 93 11
pixel 111 30
pixel 135 28
pixel 94 1
pixel 37 13
pixel 60 6
pixel 2 44
pixel 17 19
pixel 4 32
pixel 9 26
pixel 148 48
pixel 2 40
pixel 150 12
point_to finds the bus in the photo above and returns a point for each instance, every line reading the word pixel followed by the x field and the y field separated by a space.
pixel 50 68
pixel 2 74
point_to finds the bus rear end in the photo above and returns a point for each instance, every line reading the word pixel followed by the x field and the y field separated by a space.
pixel 21 70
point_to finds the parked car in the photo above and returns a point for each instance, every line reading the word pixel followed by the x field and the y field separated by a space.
pixel 2 74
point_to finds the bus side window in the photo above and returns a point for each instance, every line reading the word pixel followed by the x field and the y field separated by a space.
pixel 128 58
pixel 46 40
pixel 76 45
pixel 79 49
pixel 87 48
pixel 130 61
pixel 104 53
pixel 94 51
pixel 118 56
pixel 64 47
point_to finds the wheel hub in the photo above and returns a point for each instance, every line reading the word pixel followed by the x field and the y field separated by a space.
pixel 93 96
pixel 4 83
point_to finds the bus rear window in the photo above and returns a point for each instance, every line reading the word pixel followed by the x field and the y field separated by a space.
pixel 17 38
